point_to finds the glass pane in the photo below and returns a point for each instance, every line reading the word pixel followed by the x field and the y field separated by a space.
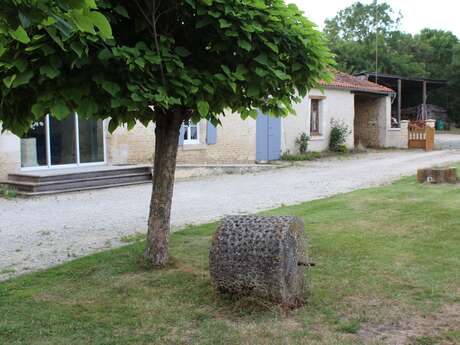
pixel 91 140
pixel 33 146
pixel 63 141
pixel 193 132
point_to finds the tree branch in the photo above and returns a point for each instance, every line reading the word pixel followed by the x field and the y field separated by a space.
pixel 155 39
pixel 146 17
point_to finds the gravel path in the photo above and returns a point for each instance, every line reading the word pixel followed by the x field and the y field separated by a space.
pixel 39 232
pixel 448 141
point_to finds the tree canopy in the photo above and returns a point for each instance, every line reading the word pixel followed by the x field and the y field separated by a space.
pixel 355 32
pixel 153 60
pixel 103 59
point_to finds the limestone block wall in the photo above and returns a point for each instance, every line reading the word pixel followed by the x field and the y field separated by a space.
pixel 131 147
pixel 334 104
pixel 236 144
pixel 10 154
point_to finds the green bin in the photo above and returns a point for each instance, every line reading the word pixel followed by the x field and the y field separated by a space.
pixel 440 125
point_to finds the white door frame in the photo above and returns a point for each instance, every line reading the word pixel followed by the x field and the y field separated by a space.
pixel 77 147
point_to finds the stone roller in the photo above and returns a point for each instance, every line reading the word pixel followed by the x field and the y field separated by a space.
pixel 260 256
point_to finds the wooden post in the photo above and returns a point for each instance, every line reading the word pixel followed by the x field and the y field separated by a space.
pixel 399 101
pixel 424 110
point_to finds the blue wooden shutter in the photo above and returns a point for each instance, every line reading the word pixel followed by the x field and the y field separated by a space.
pixel 181 134
pixel 211 134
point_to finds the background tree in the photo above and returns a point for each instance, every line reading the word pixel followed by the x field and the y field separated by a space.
pixel 355 31
pixel 153 60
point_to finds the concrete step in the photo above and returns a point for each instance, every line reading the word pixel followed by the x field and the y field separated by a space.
pixel 66 175
pixel 73 180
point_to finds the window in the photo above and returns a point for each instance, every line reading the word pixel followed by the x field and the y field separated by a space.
pixel 191 133
pixel 315 124
pixel 72 141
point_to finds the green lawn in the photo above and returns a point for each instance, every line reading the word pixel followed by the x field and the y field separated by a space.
pixel 453 130
pixel 388 263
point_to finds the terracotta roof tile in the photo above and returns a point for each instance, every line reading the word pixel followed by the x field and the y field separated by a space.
pixel 349 82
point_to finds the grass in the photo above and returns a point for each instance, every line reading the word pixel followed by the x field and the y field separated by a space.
pixel 387 259
pixel 314 155
pixel 452 130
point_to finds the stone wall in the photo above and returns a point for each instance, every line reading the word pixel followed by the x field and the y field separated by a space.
pixel 131 147
pixel 366 122
pixel 335 104
pixel 236 143
pixel 373 123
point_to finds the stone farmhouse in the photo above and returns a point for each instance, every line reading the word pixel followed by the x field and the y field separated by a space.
pixel 53 145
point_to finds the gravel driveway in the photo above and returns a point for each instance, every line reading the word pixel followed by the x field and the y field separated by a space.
pixel 39 232
pixel 448 141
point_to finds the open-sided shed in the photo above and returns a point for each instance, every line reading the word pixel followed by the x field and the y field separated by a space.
pixel 412 95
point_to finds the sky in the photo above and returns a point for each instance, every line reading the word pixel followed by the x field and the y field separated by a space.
pixel 417 14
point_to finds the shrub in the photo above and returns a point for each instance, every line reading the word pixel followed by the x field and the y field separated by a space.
pixel 302 142
pixel 339 133
pixel 7 193
pixel 308 156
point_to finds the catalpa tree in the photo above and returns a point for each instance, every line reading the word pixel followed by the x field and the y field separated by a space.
pixel 155 60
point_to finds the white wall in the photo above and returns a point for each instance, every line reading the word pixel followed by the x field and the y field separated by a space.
pixel 337 104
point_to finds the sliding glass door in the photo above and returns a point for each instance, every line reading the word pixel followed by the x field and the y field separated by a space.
pixel 74 141
pixel 63 140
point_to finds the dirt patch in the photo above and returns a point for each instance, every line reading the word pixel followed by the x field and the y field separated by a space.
pixel 405 331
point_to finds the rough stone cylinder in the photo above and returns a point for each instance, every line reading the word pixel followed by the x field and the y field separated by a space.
pixel 260 256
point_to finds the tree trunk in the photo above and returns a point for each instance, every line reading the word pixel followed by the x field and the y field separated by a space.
pixel 164 168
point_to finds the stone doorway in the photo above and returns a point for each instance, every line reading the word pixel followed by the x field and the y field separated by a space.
pixel 370 120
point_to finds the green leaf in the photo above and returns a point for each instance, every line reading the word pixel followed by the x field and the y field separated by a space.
pixel 113 125
pixel 224 23
pixel 245 45
pixel 281 75
pixel 78 48
pixel 20 35
pixel 209 88
pixel 87 108
pixel 8 81
pixel 104 54
pixel 262 59
pixel 154 59
pixel 203 108
pixel 226 70
pixel 272 46
pixel 207 2
pixel 38 110
pixel 232 85
pixel 23 78
pixel 253 90
pixel 59 110
pixel 110 87
pixel 49 71
pixel 181 51
pixel 25 21
pixel 260 72
pixel 121 11
pixel 101 22
pixel 140 62
pixel 83 21
pixel 20 64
